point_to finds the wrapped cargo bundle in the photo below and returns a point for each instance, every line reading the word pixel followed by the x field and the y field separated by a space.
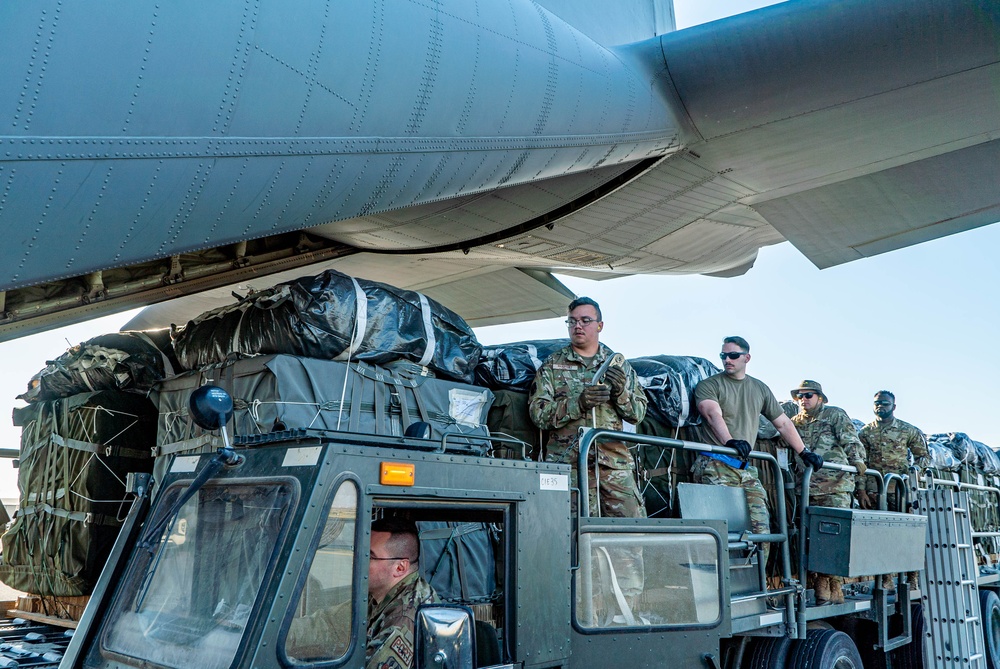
pixel 513 366
pixel 278 392
pixel 130 361
pixel 669 382
pixel 334 316
pixel 988 462
pixel 951 450
pixel 75 454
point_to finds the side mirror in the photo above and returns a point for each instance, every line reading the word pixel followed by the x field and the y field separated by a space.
pixel 443 637
pixel 211 407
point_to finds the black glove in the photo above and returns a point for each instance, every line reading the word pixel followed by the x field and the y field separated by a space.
pixel 742 447
pixel 811 458
pixel 615 377
pixel 593 396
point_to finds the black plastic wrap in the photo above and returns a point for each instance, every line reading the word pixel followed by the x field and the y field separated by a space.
pixel 318 317
pixel 949 451
pixel 130 361
pixel 989 463
pixel 513 366
pixel 669 382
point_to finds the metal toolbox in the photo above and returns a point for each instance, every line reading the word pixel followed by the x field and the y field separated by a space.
pixel 853 542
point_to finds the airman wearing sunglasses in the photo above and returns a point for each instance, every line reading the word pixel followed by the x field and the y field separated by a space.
pixel 887 441
pixel 828 430
pixel 732 403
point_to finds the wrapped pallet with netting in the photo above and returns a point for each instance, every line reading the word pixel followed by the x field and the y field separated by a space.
pixel 75 454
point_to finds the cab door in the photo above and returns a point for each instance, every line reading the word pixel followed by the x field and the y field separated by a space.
pixel 649 590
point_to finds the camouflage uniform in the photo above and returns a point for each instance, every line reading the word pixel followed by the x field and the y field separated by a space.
pixel 887 446
pixel 830 433
pixel 390 623
pixel 555 406
pixel 326 633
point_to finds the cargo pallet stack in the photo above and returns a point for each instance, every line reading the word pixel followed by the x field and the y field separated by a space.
pixel 87 424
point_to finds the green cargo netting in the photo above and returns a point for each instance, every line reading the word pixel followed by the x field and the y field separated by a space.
pixel 75 454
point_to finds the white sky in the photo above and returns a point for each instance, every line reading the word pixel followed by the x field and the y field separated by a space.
pixel 914 321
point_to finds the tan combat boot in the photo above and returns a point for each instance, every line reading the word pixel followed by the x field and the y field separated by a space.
pixel 913 580
pixel 821 588
pixel 889 581
pixel 836 589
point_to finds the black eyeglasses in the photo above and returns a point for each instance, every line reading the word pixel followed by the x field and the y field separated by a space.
pixel 572 322
pixel 806 396
pixel 732 355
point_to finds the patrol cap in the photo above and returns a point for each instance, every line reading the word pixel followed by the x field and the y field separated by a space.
pixel 808 385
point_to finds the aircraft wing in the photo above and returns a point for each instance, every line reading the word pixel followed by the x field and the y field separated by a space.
pixel 472 148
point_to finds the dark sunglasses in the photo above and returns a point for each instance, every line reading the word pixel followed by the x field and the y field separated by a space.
pixel 806 396
pixel 732 355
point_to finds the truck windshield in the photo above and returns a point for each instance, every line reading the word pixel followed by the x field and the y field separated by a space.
pixel 188 603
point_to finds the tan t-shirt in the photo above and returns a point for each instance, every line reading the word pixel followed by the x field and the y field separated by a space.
pixel 742 401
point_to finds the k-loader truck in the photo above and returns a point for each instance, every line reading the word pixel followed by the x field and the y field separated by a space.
pixel 223 551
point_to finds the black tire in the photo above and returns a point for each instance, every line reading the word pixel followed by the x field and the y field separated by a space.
pixel 825 649
pixel 768 653
pixel 989 605
pixel 911 656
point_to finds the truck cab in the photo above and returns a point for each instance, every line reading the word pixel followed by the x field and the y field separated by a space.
pixel 284 532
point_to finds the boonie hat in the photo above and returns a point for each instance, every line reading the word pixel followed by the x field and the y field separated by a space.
pixel 809 385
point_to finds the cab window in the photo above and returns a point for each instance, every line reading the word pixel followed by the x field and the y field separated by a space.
pixel 648 580
pixel 321 629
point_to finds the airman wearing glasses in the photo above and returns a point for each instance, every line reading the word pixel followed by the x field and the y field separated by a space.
pixel 395 590
pixel 732 402
pixel 887 441
pixel 563 400
pixel 828 430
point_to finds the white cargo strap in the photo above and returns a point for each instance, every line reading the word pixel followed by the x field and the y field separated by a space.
pixel 425 311
pixel 360 322
pixel 533 354
pixel 234 344
pixel 619 595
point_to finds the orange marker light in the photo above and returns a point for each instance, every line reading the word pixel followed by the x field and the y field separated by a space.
pixel 396 473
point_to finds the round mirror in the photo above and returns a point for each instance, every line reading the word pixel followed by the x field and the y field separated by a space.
pixel 211 407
